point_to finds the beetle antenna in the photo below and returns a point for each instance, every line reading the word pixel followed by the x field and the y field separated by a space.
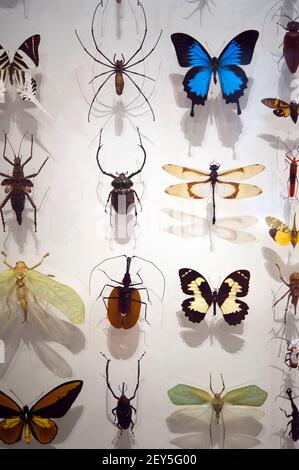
pixel 144 153
pixel 6 137
pixel 98 160
pixel 16 396
pixel 104 355
pixel 143 259
pixel 99 264
pixel 280 337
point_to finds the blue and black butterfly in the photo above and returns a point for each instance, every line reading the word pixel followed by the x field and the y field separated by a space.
pixel 233 80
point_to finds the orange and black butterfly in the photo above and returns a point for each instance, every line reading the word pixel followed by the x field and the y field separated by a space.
pixel 283 234
pixel 234 285
pixel 282 108
pixel 36 421
pixel 219 182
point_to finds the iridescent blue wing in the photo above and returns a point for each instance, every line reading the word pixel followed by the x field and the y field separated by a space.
pixel 233 80
pixel 190 53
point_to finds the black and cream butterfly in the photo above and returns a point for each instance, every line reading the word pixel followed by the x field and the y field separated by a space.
pixel 26 57
pixel 234 285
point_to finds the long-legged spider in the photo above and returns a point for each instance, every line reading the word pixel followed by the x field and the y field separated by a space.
pixel 119 67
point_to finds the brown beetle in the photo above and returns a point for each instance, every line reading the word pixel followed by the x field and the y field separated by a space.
pixel 292 293
pixel 291 44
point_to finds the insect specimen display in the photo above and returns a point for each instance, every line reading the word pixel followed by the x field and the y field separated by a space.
pixel 291 44
pixel 282 108
pixel 234 285
pixel 281 233
pixel 294 422
pixel 30 288
pixel 124 301
pixel 292 292
pixel 232 78
pixel 218 182
pixel 36 421
pixel 292 354
pixel 123 410
pixel 120 67
pixel 292 161
pixel 122 195
pixel 249 396
pixel 18 186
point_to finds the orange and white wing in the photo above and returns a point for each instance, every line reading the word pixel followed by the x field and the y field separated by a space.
pixel 185 173
pixel 243 172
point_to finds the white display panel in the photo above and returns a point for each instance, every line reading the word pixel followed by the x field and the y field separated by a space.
pixel 72 225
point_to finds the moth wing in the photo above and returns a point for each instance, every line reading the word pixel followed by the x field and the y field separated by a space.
pixel 234 285
pixel 58 401
pixel 281 108
pixel 7 281
pixel 251 395
pixel 185 173
pixel 59 295
pixel 186 395
pixel 279 231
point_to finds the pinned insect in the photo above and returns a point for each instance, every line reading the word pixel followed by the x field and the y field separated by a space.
pixel 281 233
pixel 122 195
pixel 291 43
pixel 18 186
pixel 36 421
pixel 233 80
pixel 292 354
pixel 293 178
pixel 220 182
pixel 28 285
pixel 294 422
pixel 292 293
pixel 282 108
pixel 250 396
pixel 234 285
pixel 124 301
pixel 119 67
pixel 123 410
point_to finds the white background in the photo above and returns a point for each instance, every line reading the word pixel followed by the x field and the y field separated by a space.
pixel 74 228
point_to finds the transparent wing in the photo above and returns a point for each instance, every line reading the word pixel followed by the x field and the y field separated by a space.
pixel 59 295
pixel 191 190
pixel 185 173
pixel 242 172
pixel 7 281
pixel 186 395
pixel 236 190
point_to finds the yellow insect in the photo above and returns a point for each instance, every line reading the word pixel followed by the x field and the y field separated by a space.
pixel 26 283
pixel 281 233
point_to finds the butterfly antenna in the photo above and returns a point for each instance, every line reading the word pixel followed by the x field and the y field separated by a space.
pixel 35 399
pixel 221 47
pixel 16 396
pixel 19 150
pixel 208 47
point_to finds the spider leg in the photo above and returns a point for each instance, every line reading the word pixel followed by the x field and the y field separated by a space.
pixel 142 75
pixel 143 39
pixel 96 95
pixel 146 56
pixel 141 92
pixel 94 39
pixel 100 75
pixel 90 55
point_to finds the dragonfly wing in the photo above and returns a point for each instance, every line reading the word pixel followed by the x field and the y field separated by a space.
pixel 191 190
pixel 185 173
pixel 242 172
pixel 233 190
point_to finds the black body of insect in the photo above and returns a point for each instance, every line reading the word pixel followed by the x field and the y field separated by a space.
pixel 119 67
pixel 291 44
pixel 122 195
pixel 18 186
pixel 123 410
pixel 294 422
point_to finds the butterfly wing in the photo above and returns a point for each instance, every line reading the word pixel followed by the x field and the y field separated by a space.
pixel 279 231
pixel 190 53
pixel 233 80
pixel 281 108
pixel 4 64
pixel 185 395
pixel 234 285
pixel 12 425
pixel 193 283
pixel 54 404
pixel 26 57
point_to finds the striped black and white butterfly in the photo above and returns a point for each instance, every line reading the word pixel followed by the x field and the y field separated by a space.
pixel 234 285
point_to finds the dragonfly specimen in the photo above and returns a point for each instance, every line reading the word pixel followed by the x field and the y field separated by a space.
pixel 218 182
pixel 30 287
pixel 281 233
pixel 249 396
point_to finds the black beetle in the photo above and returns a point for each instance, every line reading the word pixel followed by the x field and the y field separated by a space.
pixel 123 410
pixel 294 422
pixel 291 44
pixel 122 195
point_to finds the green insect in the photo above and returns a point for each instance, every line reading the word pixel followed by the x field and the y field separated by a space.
pixel 33 292
pixel 249 396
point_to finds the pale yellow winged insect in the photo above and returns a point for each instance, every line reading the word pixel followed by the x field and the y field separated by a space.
pixel 27 285
pixel 243 398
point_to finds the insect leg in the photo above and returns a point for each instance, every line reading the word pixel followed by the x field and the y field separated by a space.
pixel 35 174
pixel 132 427
pixel 138 377
pixel 4 150
pixel 276 302
pixel 137 197
pixel 5 175
pixel 134 409
pixel 223 424
pixel 113 280
pixel 145 308
pixel 280 276
pixel 34 208
pixel 286 309
pixel 211 422
pixel 143 39
pixel 94 39
pixel 100 75
pixel 90 55
pixel 1 211
pixel 107 376
pixel 113 411
pixel 141 92
pixel 146 289
pixel 286 415
pixel 106 285
pixel 109 197
pixel 41 261
pixel 6 262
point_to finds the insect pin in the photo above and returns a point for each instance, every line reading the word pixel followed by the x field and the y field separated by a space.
pixel 119 67
pixel 291 43
pixel 18 186
pixel 292 292
pixel 122 196
pixel 249 396
pixel 36 421
pixel 292 354
pixel 294 422
pixel 123 304
pixel 123 411
pixel 217 182
pixel 281 233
